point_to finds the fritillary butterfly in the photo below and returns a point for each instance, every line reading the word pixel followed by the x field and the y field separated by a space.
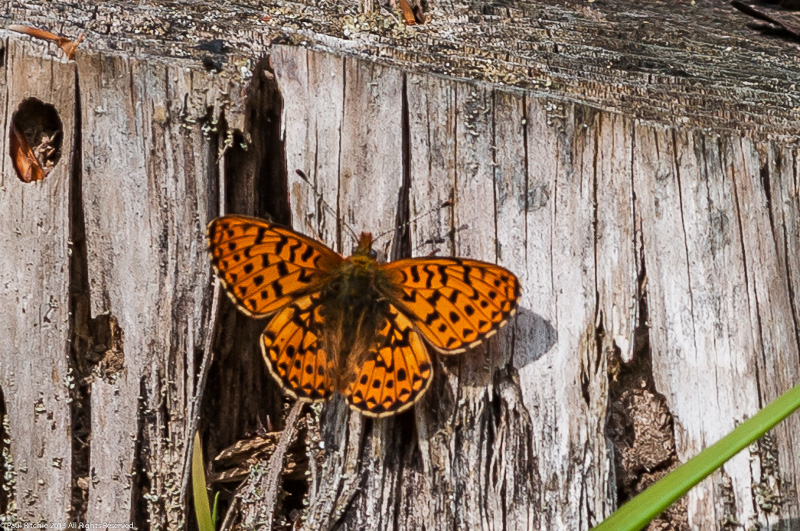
pixel 354 325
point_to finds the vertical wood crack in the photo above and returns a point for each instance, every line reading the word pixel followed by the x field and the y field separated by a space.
pixel 79 329
pixel 676 166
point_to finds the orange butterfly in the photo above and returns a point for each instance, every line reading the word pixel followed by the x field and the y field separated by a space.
pixel 353 325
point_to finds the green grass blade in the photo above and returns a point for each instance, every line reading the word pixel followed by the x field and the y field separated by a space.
pixel 638 512
pixel 215 513
pixel 201 508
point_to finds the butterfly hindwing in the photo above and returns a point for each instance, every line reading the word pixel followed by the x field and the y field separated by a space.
pixel 292 350
pixel 264 266
pixel 454 302
pixel 397 372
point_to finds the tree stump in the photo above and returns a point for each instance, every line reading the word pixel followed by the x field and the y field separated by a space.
pixel 635 166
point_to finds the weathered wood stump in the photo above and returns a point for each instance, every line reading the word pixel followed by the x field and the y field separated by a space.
pixel 636 166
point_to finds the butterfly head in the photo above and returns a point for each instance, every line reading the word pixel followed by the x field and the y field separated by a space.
pixel 364 247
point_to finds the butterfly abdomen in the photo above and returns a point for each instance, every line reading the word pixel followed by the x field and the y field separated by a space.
pixel 353 310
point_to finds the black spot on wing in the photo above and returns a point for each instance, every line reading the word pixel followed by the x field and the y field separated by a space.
pixel 283 269
pixel 279 245
pixel 262 231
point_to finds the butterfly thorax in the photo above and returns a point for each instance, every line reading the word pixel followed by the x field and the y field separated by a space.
pixel 353 310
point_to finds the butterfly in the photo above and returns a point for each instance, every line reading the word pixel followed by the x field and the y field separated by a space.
pixel 355 325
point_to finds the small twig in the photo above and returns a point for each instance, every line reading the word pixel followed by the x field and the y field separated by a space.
pixel 194 414
pixel 275 464
pixel 231 515
pixel 270 482
pixel 208 357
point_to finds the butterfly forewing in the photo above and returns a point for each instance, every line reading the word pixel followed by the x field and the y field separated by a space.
pixel 454 302
pixel 396 373
pixel 263 266
pixel 292 349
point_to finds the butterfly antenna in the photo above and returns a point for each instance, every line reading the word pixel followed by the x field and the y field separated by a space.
pixel 403 226
pixel 325 205
pixel 440 240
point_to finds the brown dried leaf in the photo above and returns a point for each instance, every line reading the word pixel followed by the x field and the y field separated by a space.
pixel 67 45
pixel 412 15
pixel 244 449
pixel 28 169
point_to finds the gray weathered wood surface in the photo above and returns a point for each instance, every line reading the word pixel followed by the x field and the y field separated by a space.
pixel 34 368
pixel 634 165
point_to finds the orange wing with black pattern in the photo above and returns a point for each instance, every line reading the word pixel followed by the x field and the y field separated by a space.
pixel 292 349
pixel 397 372
pixel 263 266
pixel 455 303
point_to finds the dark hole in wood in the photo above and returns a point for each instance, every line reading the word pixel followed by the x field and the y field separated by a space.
pixel 36 136
pixel 107 345
pixel 639 423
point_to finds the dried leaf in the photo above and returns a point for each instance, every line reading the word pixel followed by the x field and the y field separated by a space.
pixel 233 463
pixel 67 45
pixel 246 448
pixel 412 15
pixel 28 169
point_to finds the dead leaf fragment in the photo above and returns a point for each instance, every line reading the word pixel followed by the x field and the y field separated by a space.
pixel 28 169
pixel 412 15
pixel 67 45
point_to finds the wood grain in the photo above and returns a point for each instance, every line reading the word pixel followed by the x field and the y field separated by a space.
pixel 35 372
pixel 634 164
pixel 146 197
